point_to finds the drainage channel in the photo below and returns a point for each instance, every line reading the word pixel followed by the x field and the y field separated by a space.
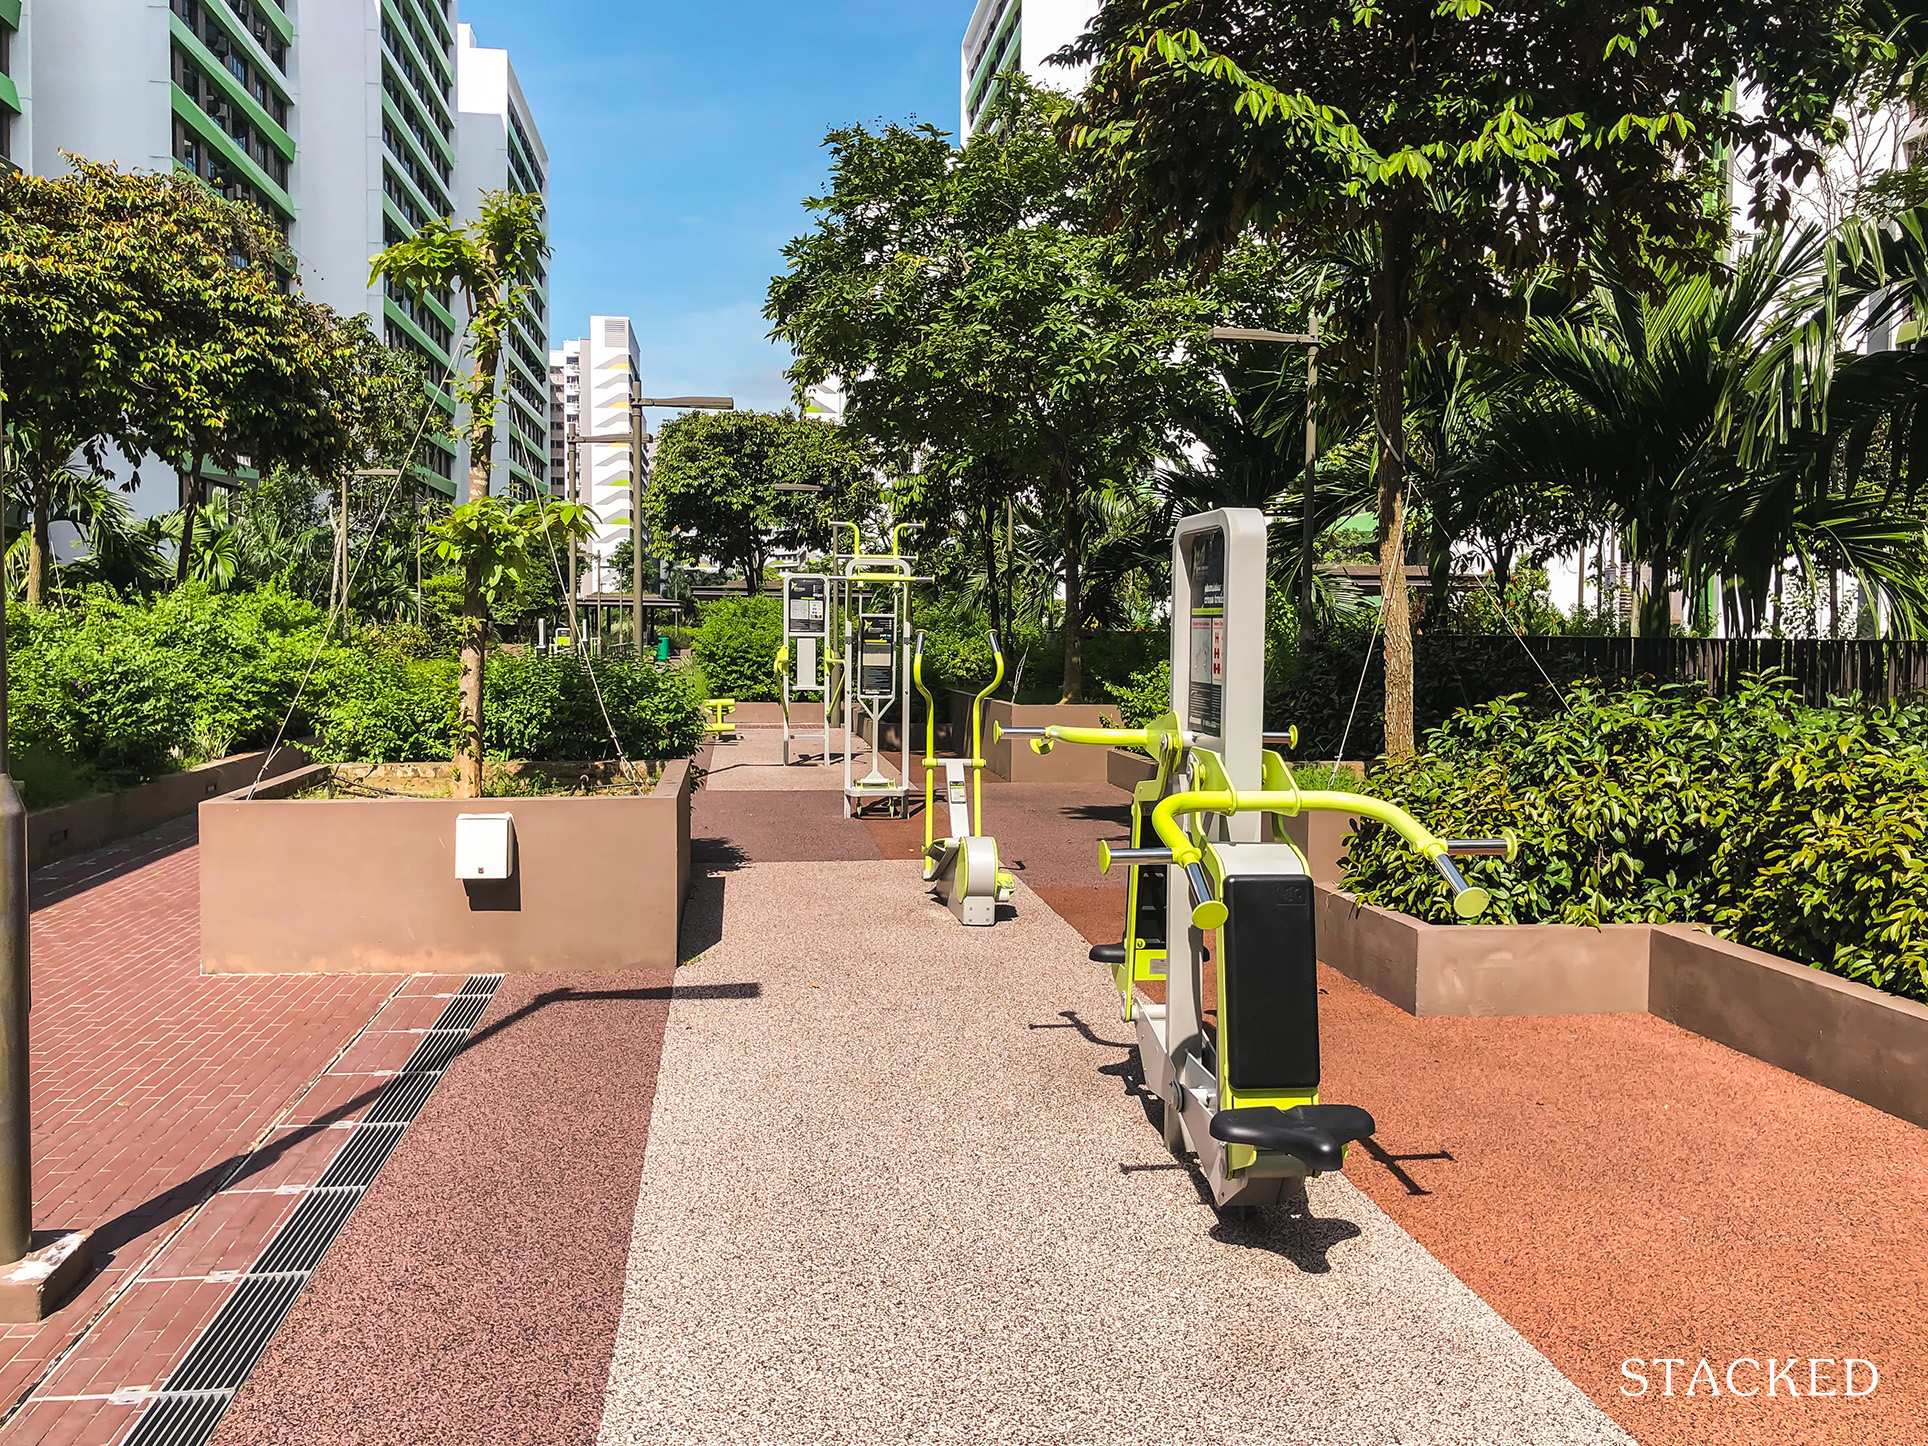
pixel 185 1410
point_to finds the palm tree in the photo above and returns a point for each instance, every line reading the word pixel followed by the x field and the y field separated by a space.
pixel 1690 421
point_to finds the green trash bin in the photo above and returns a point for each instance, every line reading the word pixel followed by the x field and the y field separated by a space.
pixel 662 650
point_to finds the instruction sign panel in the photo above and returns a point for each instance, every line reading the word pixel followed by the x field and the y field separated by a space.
pixel 877 656
pixel 804 612
pixel 1205 699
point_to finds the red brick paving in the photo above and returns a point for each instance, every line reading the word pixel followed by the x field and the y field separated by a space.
pixel 152 1086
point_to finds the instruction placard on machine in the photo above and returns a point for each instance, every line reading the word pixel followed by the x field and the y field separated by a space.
pixel 877 656
pixel 1205 699
pixel 806 618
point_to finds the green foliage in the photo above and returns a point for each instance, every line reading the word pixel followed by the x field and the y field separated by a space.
pixel 503 551
pixel 378 708
pixel 1145 695
pixel 1793 829
pixel 545 708
pixel 736 646
pixel 112 693
pixel 714 488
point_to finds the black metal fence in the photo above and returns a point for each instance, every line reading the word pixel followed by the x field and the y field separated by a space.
pixel 1820 669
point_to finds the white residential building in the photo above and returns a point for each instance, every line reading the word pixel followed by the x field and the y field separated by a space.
pixel 591 381
pixel 1021 35
pixel 344 129
pixel 499 149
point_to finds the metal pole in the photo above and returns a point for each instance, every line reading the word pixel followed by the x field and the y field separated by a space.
pixel 570 470
pixel 1308 530
pixel 16 997
pixel 636 463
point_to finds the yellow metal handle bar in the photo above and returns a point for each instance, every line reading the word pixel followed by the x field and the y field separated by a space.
pixel 1468 901
pixel 1043 740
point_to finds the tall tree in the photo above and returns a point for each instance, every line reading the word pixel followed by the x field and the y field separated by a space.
pixel 731 486
pixel 493 262
pixel 1468 144
pixel 984 326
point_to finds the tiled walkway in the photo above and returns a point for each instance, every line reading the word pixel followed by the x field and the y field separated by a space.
pixel 153 1089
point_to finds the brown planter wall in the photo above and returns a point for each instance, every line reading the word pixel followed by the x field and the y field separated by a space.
pixel 1128 770
pixel 368 886
pixel 1856 1040
pixel 74 828
pixel 1012 759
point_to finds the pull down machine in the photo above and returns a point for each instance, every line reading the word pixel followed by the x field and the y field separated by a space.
pixel 963 865
pixel 1229 1037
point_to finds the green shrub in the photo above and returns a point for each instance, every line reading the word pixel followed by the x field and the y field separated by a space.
pixel 1146 696
pixel 546 709
pixel 373 708
pixel 1790 828
pixel 736 644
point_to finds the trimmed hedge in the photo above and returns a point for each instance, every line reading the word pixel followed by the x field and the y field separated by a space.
pixel 1792 829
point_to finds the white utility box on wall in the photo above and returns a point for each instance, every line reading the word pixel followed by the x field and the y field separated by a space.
pixel 484 845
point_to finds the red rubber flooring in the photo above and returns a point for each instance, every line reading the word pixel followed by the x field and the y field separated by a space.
pixel 1616 1187
pixel 473 1295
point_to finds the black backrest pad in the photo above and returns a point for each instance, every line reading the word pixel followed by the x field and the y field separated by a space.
pixel 1269 1018
pixel 1149 924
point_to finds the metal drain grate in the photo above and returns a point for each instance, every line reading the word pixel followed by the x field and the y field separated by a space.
pixel 186 1410
pixel 437 1048
pixel 364 1154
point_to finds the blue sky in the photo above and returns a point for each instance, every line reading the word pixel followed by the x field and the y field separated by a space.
pixel 682 140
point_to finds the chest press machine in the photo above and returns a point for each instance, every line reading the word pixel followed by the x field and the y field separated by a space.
pixel 1226 1003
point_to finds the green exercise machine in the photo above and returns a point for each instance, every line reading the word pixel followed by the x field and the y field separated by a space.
pixel 1217 970
pixel 963 864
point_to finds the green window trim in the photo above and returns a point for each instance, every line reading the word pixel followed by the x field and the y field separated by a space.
pixel 393 112
pixel 429 208
pixel 441 65
pixel 394 313
pixel 277 18
pixel 230 87
pixel 239 35
pixel 9 94
pixel 10 12
pixel 437 111
pixel 434 481
pixel 211 134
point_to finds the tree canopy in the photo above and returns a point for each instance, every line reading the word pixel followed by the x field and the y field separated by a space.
pixel 738 486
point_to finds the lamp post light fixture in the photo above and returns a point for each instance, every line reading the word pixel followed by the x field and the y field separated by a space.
pixel 634 439
pixel 1308 532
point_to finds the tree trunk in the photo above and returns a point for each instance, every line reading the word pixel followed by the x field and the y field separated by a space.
pixel 987 539
pixel 1073 605
pixel 40 549
pixel 1391 346
pixel 190 508
pixel 468 738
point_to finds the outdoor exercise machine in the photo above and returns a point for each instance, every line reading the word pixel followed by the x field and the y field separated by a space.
pixel 963 864
pixel 861 599
pixel 1217 970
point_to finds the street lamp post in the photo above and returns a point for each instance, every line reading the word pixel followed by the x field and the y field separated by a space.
pixel 1308 532
pixel 31 1281
pixel 638 462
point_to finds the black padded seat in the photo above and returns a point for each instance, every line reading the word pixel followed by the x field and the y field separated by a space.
pixel 1108 953
pixel 1315 1134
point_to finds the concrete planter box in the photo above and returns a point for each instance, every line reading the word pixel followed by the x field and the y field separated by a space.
pixel 1127 770
pixel 770 715
pixel 1858 1041
pixel 74 828
pixel 368 886
pixel 1012 759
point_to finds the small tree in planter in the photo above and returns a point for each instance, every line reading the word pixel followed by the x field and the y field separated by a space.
pixel 492 261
